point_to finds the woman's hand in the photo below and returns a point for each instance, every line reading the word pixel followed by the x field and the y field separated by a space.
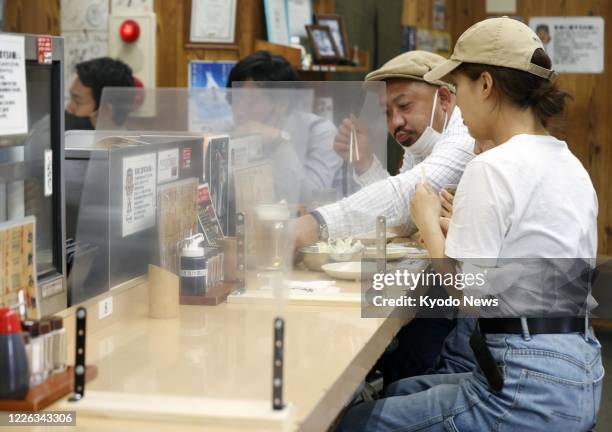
pixel 425 207
pixel 446 200
pixel 425 210
pixel 444 223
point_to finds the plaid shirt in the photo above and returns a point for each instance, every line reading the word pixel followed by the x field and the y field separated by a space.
pixel 390 197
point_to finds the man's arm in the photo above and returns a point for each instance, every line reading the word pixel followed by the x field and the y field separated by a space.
pixel 357 213
pixel 375 173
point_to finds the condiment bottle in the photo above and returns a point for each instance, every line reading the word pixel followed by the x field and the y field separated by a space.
pixel 14 375
pixel 59 344
pixel 193 270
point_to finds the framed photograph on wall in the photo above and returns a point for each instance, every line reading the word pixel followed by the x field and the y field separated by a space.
pixel 211 23
pixel 277 21
pixel 323 46
pixel 300 15
pixel 338 32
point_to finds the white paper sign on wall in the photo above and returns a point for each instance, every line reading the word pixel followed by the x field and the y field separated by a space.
pixel 574 44
pixel 13 93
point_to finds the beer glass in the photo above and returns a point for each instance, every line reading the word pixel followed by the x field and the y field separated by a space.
pixel 271 236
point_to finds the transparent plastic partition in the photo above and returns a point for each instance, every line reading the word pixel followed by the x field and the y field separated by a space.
pixel 261 143
pixel 175 163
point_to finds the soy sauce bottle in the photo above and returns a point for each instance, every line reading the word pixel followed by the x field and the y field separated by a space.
pixel 193 270
pixel 14 371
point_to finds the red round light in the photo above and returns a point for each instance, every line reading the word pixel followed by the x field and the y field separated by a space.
pixel 129 31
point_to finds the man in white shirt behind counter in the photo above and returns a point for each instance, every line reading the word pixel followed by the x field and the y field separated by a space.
pixel 423 119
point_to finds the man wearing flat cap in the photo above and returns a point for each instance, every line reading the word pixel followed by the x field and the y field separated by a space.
pixel 423 118
pixel 419 106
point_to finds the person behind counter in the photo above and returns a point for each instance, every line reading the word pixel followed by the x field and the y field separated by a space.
pixel 539 362
pixel 86 91
pixel 309 163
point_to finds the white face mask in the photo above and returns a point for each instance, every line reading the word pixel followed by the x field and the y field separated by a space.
pixel 423 146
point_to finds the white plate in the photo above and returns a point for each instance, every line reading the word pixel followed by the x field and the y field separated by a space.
pixel 413 252
pixel 395 253
pixel 344 270
pixel 370 238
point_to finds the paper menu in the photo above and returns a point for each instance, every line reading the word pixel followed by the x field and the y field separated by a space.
pixel 13 92
pixel 17 261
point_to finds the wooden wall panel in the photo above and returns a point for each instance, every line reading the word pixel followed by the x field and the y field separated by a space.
pixel 173 54
pixel 32 16
pixel 584 127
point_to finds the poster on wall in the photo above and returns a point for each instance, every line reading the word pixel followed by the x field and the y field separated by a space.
pixel 139 180
pixel 425 40
pixel 80 46
pixel 300 15
pixel 126 7
pixel 80 15
pixel 438 15
pixel 277 21
pixel 209 74
pixel 442 43
pixel 213 21
pixel 209 110
pixel 13 97
pixel 409 38
pixel 574 44
pixel 85 30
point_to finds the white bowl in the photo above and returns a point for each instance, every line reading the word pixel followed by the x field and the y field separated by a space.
pixel 313 259
pixel 344 270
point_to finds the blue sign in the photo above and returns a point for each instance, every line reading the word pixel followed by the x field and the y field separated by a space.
pixel 208 74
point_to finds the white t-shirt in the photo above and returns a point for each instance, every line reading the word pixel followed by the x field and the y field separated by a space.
pixel 525 215
pixel 527 198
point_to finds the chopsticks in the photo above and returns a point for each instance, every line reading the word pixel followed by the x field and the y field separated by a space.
pixel 353 154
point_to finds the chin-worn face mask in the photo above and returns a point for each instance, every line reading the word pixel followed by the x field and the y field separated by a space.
pixel 73 122
pixel 423 146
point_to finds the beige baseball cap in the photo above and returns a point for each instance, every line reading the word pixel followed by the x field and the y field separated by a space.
pixel 410 65
pixel 499 41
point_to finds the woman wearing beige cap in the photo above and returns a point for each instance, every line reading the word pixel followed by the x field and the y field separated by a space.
pixel 524 216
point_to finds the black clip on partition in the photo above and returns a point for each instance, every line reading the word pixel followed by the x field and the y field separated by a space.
pixel 381 244
pixel 240 254
pixel 277 367
pixel 79 359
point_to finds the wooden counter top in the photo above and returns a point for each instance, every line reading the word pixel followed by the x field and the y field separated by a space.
pixel 213 365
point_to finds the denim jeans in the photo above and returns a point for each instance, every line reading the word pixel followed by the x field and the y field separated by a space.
pixel 456 355
pixel 552 382
pixel 417 349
